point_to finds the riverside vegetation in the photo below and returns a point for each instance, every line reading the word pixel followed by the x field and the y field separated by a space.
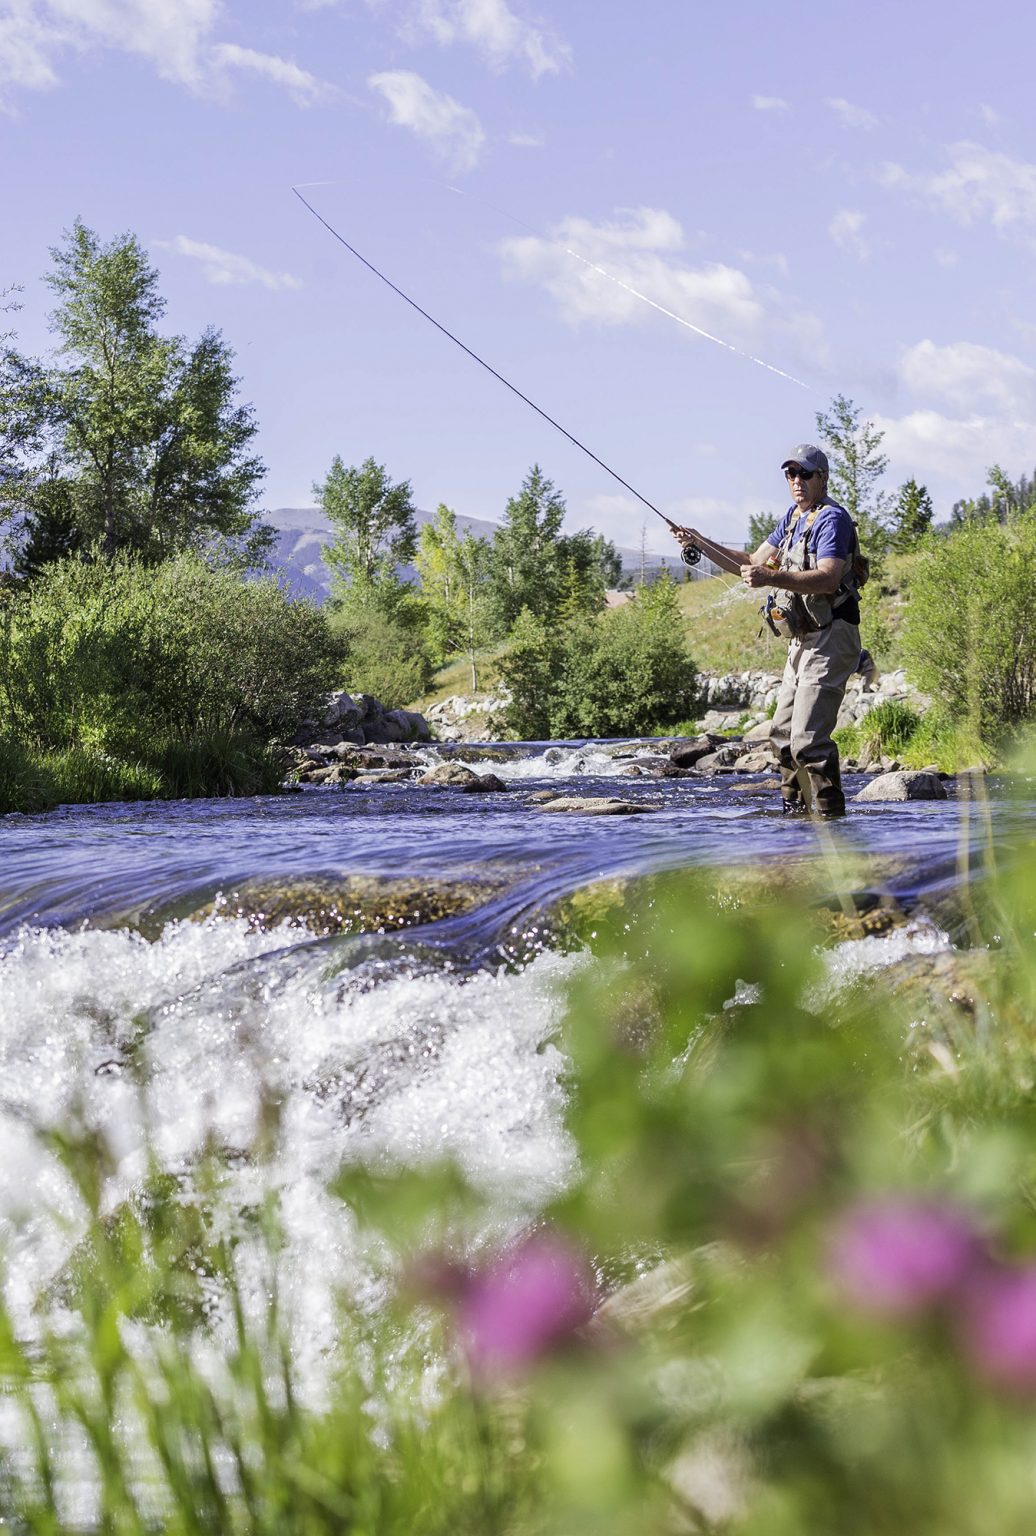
pixel 140 657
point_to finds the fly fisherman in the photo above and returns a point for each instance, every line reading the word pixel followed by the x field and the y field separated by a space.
pixel 810 562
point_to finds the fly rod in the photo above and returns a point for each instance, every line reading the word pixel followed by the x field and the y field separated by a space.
pixel 689 552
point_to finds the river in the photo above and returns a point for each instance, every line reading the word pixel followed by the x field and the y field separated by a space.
pixel 119 1012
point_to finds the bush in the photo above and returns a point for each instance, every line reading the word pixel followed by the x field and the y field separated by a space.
pixel 625 673
pixel 385 653
pixel 180 669
pixel 970 632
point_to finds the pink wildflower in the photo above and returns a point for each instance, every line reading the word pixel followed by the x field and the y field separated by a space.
pixel 998 1327
pixel 895 1257
pixel 523 1303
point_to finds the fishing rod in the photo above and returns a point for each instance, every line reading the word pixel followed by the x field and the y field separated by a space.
pixel 690 553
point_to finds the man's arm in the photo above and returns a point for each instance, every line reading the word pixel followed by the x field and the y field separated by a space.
pixel 732 560
pixel 824 579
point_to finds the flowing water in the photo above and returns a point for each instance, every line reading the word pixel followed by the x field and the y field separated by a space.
pixel 122 1013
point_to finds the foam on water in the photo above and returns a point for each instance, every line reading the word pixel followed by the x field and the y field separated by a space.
pixel 185 1041
pixel 559 762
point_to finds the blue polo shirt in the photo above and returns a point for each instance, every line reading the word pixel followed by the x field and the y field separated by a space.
pixel 831 536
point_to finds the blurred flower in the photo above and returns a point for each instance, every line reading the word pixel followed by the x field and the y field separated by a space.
pixel 998 1326
pixel 519 1306
pixel 894 1257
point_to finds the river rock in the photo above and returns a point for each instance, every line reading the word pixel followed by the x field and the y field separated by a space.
pixel 685 754
pixel 759 732
pixel 349 904
pixel 723 757
pixel 578 805
pixel 905 785
pixel 456 776
pixel 754 762
pixel 335 773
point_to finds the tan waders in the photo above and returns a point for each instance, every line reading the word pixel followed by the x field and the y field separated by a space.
pixel 819 666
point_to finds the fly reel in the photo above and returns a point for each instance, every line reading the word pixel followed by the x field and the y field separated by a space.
pixel 690 554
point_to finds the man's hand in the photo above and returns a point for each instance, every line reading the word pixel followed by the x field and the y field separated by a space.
pixel 756 576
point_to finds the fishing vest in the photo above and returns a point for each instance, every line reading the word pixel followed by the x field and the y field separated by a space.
pixel 790 615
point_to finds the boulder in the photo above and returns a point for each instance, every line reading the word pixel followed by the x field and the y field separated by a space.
pixel 577 805
pixel 456 776
pixel 724 757
pixel 759 732
pixel 684 754
pixel 904 785
pixel 754 762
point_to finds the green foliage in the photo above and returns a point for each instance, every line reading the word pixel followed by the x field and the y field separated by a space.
pixel 626 672
pixel 186 671
pixel 853 447
pixel 911 516
pixel 970 632
pixel 1005 499
pixel 760 527
pixel 385 651
pixel 132 441
pixel 887 730
pixel 374 533
pixel 454 576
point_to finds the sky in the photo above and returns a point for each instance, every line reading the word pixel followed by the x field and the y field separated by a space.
pixel 843 196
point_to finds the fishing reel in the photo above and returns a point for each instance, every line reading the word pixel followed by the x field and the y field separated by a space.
pixel 690 554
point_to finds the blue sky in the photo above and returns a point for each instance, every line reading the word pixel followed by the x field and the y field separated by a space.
pixel 845 192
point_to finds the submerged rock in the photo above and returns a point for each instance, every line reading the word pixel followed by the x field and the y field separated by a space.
pixel 903 785
pixel 347 904
pixel 578 805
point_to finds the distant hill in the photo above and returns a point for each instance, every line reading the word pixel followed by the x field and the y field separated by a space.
pixel 303 531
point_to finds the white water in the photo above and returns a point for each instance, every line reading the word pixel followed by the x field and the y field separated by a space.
pixel 417 1069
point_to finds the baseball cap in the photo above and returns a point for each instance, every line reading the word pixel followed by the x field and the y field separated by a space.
pixel 809 456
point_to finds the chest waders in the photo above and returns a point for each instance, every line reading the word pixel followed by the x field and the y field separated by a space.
pixel 822 656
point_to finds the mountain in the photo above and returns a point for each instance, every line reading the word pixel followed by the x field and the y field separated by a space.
pixel 303 531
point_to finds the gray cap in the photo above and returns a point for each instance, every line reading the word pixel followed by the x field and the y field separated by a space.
pixel 809 456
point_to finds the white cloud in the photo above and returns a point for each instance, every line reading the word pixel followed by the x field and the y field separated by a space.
pixel 526 140
pixel 769 104
pixel 497 32
pixel 846 230
pixel 304 87
pixel 851 116
pixel 226 267
pixel 174 36
pixel 990 398
pixel 980 184
pixel 453 131
pixel 990 116
pixel 638 251
pixel 965 374
pixel 624 520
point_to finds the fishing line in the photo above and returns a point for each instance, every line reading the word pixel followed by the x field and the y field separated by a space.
pixel 636 293
pixel 480 360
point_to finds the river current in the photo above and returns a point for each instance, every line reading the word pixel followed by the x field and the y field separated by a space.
pixel 121 1012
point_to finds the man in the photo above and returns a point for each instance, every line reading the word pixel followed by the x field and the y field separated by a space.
pixel 809 556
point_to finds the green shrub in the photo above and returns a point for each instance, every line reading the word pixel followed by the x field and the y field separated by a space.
pixel 969 638
pixel 622 673
pixel 385 653
pixel 179 668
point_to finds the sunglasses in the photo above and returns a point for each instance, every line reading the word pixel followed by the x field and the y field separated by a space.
pixel 799 474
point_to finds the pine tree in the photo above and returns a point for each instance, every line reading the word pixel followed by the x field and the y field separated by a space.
pixel 853 447
pixel 911 515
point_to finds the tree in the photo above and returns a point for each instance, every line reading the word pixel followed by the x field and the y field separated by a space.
pixel 128 440
pixel 527 567
pixel 454 576
pixel 760 527
pixel 911 515
pixel 375 532
pixel 857 465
